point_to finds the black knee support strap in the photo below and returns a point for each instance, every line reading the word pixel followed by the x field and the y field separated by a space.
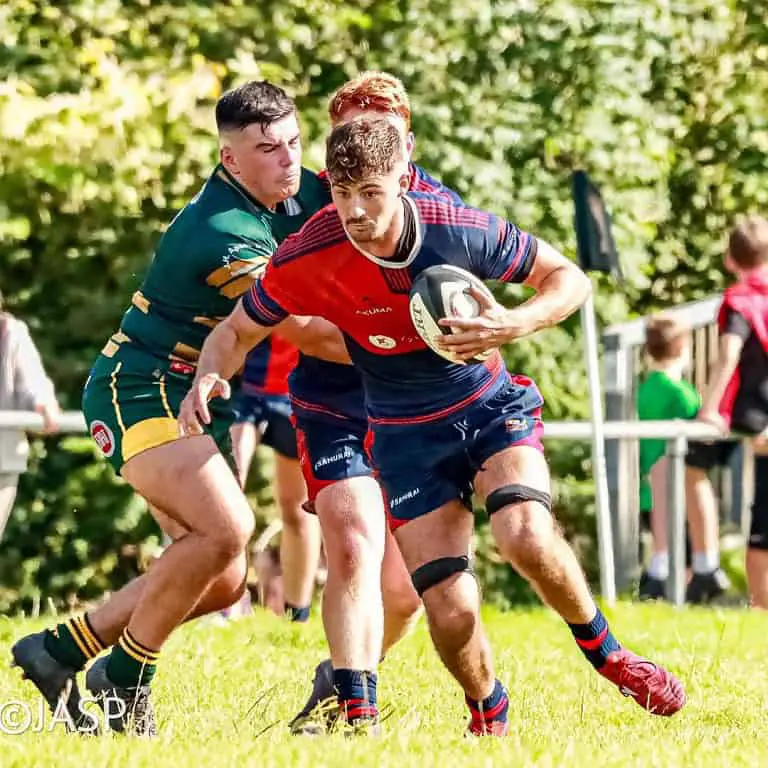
pixel 514 494
pixel 435 571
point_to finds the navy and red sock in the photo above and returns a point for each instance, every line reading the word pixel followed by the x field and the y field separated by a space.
pixel 356 691
pixel 493 709
pixel 595 640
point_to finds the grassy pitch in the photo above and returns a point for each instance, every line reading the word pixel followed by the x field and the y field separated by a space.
pixel 224 693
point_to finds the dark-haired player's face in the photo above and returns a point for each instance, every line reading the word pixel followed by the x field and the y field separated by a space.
pixel 265 160
pixel 367 207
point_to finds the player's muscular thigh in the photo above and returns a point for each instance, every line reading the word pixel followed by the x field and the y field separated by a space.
pixel 443 532
pixel 191 483
pixel 516 465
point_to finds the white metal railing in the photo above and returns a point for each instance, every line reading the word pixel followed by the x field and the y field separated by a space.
pixel 73 421
pixel 677 432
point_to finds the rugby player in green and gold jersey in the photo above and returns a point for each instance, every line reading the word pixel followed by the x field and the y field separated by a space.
pixel 211 253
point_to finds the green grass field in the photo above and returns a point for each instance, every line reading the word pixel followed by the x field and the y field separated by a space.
pixel 223 694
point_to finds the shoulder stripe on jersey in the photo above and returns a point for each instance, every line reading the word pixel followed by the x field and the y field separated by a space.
pixel 440 212
pixel 501 230
pixel 303 246
pixel 323 229
pixel 422 185
pixel 441 206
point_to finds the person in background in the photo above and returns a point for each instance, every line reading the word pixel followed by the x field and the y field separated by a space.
pixel 737 396
pixel 262 410
pixel 665 395
pixel 24 386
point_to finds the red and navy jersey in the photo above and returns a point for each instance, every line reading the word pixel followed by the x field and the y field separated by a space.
pixel 268 367
pixel 323 390
pixel 421 181
pixel 745 401
pixel 320 272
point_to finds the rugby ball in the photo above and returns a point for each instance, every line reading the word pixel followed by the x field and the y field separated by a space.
pixel 443 291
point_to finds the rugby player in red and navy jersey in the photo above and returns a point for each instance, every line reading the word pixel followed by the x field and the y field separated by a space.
pixel 366 590
pixel 439 430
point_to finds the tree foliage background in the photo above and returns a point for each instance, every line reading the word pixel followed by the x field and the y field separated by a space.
pixel 106 130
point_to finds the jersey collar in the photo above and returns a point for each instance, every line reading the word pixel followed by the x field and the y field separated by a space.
pixel 388 263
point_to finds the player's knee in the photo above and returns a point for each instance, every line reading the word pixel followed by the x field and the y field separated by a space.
pixel 527 536
pixel 227 542
pixel 292 511
pixel 452 621
pixel 352 550
pixel 231 585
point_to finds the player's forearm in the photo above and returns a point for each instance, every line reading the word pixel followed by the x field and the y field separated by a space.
pixel 224 351
pixel 317 337
pixel 557 297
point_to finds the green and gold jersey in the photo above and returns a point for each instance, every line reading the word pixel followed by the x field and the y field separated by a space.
pixel 211 253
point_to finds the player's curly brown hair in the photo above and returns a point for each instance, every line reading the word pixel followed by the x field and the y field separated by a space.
pixel 374 90
pixel 362 148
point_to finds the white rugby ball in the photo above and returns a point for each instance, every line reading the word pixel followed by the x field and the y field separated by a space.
pixel 443 291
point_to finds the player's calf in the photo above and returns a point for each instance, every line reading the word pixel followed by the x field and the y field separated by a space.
pixel 402 604
pixel 452 609
pixel 530 539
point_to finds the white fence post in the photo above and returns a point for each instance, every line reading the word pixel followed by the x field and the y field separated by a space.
pixel 676 450
pixel 618 370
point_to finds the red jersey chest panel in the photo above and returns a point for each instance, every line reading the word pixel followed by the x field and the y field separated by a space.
pixel 370 304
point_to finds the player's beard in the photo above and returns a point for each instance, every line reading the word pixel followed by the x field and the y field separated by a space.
pixel 364 233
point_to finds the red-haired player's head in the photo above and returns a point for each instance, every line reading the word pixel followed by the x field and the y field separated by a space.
pixel 374 95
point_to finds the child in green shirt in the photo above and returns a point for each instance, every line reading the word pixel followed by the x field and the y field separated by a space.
pixel 664 395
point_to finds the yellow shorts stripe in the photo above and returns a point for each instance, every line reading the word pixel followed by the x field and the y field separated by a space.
pixel 149 434
pixel 164 398
pixel 115 403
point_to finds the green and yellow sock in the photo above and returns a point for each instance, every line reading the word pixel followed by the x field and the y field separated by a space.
pixel 74 642
pixel 131 664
